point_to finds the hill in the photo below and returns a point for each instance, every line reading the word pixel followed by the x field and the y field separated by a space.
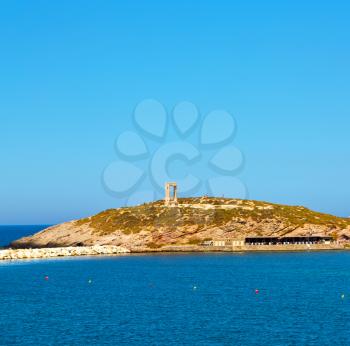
pixel 153 226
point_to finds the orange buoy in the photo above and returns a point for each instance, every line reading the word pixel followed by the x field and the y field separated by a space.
pixel 46 278
pixel 257 291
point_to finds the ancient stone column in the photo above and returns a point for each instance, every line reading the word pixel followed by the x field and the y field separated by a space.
pixel 171 198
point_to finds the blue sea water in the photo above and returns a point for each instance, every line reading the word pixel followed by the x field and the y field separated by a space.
pixel 13 232
pixel 184 299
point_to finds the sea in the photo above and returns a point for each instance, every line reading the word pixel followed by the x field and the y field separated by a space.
pixel 178 299
pixel 13 232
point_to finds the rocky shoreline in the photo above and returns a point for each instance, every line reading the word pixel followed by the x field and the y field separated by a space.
pixel 15 254
pixel 104 250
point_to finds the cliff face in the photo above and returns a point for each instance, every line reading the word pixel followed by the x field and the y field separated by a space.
pixel 152 226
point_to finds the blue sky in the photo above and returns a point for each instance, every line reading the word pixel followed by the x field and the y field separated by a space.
pixel 72 74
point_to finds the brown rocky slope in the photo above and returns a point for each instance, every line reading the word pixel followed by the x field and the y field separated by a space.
pixel 153 226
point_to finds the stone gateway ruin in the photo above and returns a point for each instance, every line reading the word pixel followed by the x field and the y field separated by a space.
pixel 171 195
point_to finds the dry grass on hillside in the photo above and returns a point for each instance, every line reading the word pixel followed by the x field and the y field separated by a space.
pixel 155 215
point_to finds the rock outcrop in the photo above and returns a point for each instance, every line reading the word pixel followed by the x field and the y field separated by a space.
pixel 11 254
pixel 154 227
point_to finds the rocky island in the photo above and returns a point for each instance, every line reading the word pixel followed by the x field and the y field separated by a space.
pixel 199 224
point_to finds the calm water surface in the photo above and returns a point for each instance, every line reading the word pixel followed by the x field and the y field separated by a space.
pixel 178 300
pixel 13 232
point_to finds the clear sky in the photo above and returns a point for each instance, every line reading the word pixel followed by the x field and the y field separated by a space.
pixel 72 73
